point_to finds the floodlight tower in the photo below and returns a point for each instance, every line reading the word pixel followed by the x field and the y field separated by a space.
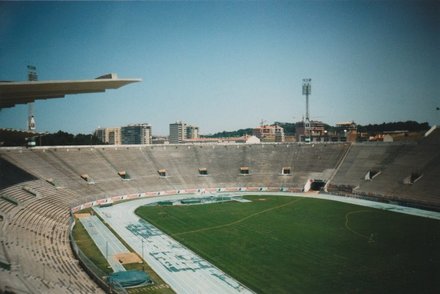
pixel 307 90
pixel 32 76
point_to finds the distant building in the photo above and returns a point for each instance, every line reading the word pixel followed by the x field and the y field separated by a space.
pixel 289 138
pixel 100 134
pixel 177 132
pixel 180 131
pixel 243 139
pixel 160 140
pixel 347 131
pixel 343 132
pixel 114 136
pixel 192 132
pixel 267 133
pixel 136 134
pixel 317 132
pixel 202 141
pixel 110 136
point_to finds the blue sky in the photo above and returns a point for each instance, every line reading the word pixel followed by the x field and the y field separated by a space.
pixel 226 65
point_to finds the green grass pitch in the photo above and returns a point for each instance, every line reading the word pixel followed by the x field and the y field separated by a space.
pixel 278 244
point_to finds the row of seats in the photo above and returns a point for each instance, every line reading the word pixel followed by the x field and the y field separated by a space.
pixel 37 243
pixel 103 165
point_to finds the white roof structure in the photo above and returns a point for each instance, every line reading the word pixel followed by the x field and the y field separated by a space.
pixel 12 93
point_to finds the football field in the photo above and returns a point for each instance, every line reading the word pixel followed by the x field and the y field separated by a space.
pixel 277 244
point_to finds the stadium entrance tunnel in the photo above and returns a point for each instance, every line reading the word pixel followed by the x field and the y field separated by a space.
pixel 314 185
pixel 317 185
pixel 128 279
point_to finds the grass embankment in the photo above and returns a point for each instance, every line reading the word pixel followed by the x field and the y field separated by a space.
pixel 299 245
pixel 88 247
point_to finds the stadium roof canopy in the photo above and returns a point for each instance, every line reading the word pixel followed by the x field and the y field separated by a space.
pixel 12 93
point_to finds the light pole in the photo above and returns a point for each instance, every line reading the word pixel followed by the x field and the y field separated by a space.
pixel 307 90
pixel 143 262
pixel 32 76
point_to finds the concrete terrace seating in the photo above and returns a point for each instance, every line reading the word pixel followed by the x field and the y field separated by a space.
pixel 18 193
pixel 35 233
pixel 6 206
pixel 11 174
pixel 395 163
pixel 182 162
pixel 422 159
pixel 362 158
pixel 37 241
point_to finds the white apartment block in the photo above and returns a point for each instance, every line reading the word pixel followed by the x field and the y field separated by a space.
pixel 180 131
pixel 111 136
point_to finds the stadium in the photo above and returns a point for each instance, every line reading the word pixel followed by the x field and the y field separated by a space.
pixel 41 185
pixel 319 208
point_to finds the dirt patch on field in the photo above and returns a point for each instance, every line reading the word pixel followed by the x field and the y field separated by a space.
pixel 262 199
pixel 126 258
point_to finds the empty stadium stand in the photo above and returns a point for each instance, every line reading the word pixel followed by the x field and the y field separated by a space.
pixel 394 165
pixel 46 182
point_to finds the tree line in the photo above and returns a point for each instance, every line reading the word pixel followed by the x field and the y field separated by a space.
pixel 59 138
pixel 411 126
pixel 64 138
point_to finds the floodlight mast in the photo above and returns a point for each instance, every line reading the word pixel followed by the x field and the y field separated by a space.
pixel 307 90
pixel 32 76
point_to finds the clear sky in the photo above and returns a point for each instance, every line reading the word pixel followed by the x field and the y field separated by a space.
pixel 226 65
